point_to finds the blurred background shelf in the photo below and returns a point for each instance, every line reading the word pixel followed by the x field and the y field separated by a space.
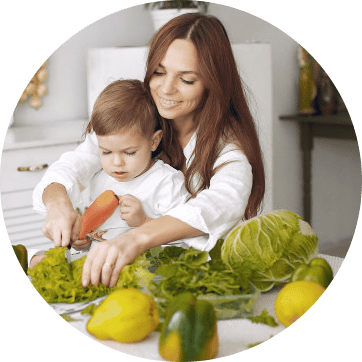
pixel 334 126
pixel 338 126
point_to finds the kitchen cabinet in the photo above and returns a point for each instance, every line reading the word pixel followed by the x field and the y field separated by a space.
pixel 27 152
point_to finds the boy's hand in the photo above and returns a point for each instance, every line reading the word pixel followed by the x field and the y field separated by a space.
pixel 131 211
pixel 35 260
pixel 80 244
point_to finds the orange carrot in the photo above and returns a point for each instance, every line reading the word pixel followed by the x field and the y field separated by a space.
pixel 98 212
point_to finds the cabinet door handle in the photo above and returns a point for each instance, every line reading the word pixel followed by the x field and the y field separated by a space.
pixel 33 168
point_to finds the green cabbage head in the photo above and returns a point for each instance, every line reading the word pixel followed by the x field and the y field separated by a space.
pixel 267 248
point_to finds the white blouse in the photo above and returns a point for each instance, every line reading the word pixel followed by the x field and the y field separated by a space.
pixel 214 210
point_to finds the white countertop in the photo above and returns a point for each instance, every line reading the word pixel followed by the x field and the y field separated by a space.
pixel 234 334
pixel 44 134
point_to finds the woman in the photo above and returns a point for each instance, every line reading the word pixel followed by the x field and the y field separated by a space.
pixel 209 134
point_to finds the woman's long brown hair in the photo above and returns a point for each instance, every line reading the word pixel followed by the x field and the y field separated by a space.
pixel 223 116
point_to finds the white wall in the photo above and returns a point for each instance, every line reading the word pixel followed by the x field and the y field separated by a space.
pixel 67 86
pixel 67 100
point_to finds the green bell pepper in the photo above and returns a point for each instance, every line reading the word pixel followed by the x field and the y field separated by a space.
pixel 317 270
pixel 22 255
pixel 189 332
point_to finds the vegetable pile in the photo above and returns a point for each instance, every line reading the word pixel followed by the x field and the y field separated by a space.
pixel 262 252
pixel 60 282
pixel 266 249
pixel 180 270
pixel 189 270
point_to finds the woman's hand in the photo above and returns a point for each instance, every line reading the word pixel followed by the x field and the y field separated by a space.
pixel 131 211
pixel 62 223
pixel 106 260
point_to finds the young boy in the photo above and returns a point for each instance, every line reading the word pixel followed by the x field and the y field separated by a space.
pixel 125 123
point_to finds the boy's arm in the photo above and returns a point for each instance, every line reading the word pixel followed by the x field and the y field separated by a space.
pixel 147 219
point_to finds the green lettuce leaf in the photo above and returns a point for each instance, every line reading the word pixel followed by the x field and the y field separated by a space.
pixel 60 282
pixel 265 318
pixel 190 270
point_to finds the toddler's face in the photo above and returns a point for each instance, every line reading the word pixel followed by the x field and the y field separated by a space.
pixel 127 154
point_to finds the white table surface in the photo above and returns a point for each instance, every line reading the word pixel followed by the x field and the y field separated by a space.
pixel 234 334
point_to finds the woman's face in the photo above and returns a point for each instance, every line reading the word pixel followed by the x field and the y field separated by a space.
pixel 176 86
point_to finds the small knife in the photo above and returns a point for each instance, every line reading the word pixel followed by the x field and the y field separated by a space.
pixel 72 254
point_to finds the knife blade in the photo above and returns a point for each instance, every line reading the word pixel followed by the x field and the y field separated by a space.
pixel 72 254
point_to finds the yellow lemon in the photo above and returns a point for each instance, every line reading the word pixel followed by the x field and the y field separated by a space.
pixel 295 299
pixel 126 315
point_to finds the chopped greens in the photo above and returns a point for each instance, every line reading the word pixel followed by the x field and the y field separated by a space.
pixel 181 270
pixel 90 309
pixel 264 318
pixel 174 270
pixel 60 282
pixel 68 318
pixel 251 345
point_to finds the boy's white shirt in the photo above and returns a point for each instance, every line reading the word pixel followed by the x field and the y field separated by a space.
pixel 215 210
pixel 159 189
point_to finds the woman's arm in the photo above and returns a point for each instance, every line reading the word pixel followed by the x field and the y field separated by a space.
pixel 214 211
pixel 217 209
pixel 106 260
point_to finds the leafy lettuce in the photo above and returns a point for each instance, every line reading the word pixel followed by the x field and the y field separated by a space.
pixel 266 249
pixel 60 282
pixel 181 270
